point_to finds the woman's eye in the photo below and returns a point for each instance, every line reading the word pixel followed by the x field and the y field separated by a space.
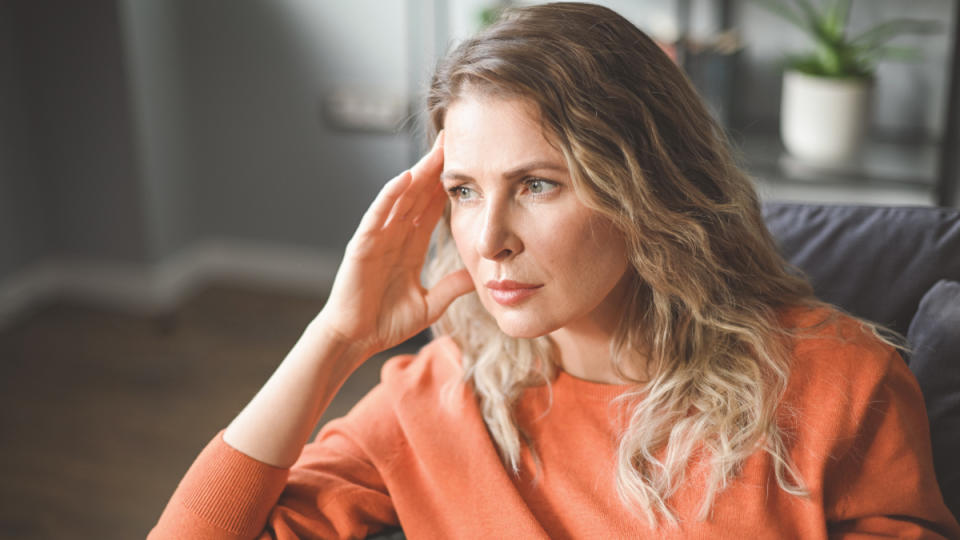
pixel 461 193
pixel 539 186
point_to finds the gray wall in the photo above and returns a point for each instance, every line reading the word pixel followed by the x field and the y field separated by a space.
pixel 228 96
pixel 24 233
pixel 133 128
pixel 68 181
pixel 153 55
pixel 264 166
pixel 80 118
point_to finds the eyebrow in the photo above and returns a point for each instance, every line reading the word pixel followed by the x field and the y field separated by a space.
pixel 512 173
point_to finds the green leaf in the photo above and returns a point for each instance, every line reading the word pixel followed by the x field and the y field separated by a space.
pixel 829 58
pixel 834 54
pixel 808 64
pixel 837 15
pixel 814 19
pixel 900 54
pixel 489 15
pixel 884 32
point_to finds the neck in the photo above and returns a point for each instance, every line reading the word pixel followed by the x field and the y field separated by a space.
pixel 586 355
pixel 584 346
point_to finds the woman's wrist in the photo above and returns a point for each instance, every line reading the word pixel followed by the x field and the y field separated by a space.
pixel 277 422
pixel 324 336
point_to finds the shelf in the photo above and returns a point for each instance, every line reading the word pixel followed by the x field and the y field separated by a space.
pixel 889 172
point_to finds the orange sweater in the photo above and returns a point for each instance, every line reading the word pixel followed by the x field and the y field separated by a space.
pixel 413 454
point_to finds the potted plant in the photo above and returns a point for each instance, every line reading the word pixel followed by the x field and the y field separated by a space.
pixel 827 92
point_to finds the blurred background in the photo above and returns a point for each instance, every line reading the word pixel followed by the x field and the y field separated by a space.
pixel 178 179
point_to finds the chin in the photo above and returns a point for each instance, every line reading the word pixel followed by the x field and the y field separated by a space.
pixel 522 326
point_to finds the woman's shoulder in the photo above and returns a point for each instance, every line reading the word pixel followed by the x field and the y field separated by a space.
pixel 438 360
pixel 416 392
pixel 419 378
pixel 824 333
pixel 838 363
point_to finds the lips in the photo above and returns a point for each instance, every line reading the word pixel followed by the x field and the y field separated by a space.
pixel 508 292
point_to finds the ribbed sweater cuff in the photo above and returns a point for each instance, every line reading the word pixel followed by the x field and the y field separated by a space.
pixel 225 493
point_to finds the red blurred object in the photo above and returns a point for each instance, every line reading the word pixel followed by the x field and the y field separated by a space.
pixel 670 49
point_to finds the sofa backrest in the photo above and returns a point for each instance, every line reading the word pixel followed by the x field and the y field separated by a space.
pixel 875 262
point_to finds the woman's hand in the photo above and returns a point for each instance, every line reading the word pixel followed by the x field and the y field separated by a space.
pixel 377 300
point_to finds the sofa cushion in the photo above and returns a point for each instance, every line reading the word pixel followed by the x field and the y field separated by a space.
pixel 874 261
pixel 934 336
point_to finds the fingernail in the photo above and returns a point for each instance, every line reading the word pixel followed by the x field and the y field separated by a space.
pixel 439 140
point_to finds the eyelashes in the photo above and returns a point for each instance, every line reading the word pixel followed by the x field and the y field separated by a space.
pixel 539 186
pixel 535 187
pixel 460 193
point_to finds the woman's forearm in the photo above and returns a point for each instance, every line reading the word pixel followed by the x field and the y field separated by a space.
pixel 279 419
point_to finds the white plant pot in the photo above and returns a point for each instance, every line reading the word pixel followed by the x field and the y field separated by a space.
pixel 823 121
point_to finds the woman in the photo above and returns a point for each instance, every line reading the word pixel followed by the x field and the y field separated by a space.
pixel 633 359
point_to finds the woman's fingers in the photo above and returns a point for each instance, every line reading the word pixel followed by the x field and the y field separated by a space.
pixel 447 290
pixel 419 238
pixel 405 203
pixel 426 175
pixel 379 211
pixel 431 164
pixel 433 208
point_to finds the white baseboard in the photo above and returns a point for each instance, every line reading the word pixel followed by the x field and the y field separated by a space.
pixel 147 289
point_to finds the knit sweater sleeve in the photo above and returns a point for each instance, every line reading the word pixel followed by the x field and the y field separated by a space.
pixel 224 495
pixel 882 482
pixel 334 490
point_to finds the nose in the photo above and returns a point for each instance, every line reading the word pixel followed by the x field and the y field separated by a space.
pixel 498 240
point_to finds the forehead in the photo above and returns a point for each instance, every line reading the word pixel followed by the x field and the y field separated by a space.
pixel 494 133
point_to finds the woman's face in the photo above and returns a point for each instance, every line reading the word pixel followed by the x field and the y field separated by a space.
pixel 539 258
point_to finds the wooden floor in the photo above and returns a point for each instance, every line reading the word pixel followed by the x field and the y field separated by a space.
pixel 102 413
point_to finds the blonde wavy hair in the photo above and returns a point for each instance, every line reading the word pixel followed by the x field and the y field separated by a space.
pixel 708 280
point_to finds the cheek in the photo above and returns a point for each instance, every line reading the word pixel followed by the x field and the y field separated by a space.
pixel 461 231
pixel 600 255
